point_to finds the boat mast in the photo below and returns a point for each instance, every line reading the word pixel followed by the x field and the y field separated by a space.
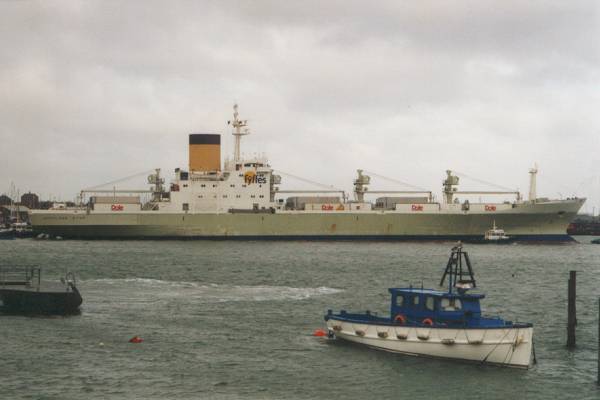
pixel 238 124
pixel 18 209
pixel 460 275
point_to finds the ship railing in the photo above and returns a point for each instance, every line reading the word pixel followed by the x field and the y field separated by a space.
pixel 22 276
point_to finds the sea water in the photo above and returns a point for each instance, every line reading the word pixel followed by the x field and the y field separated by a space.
pixel 234 320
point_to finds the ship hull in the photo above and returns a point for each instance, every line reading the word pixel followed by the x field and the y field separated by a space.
pixel 546 222
pixel 506 346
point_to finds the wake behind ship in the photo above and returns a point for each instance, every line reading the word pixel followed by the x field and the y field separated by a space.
pixel 242 200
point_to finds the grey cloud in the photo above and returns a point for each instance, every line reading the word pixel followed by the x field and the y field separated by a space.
pixel 95 90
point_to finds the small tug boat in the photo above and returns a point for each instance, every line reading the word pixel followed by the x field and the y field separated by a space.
pixel 496 235
pixel 22 291
pixel 493 236
pixel 445 324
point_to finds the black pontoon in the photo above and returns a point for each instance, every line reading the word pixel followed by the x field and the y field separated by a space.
pixel 23 291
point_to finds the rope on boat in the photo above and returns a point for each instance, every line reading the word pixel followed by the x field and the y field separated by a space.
pixel 360 330
pixel 495 347
pixel 97 187
pixel 407 332
pixel 453 339
pixel 474 341
pixel 383 334
pixel 511 349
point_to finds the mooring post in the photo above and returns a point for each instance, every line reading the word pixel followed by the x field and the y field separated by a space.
pixel 572 310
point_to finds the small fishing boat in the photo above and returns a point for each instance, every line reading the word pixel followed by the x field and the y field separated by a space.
pixel 23 291
pixel 436 323
pixel 595 241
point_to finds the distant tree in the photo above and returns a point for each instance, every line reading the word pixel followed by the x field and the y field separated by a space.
pixel 46 205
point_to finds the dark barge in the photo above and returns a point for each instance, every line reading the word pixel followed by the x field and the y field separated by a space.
pixel 23 291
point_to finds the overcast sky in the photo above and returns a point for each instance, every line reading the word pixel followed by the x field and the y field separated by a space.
pixel 95 91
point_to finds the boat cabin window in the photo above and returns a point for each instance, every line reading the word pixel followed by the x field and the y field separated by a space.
pixel 429 303
pixel 399 301
pixel 451 304
pixel 415 300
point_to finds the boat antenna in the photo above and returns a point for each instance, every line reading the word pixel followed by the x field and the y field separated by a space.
pixel 238 124
pixel 460 274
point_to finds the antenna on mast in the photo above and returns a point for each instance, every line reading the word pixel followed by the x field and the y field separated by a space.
pixel 238 124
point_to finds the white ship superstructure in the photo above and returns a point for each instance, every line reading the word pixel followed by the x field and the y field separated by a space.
pixel 242 199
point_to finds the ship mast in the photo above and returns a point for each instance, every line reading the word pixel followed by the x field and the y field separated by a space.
pixel 157 181
pixel 238 124
pixel 449 189
pixel 532 183
pixel 360 186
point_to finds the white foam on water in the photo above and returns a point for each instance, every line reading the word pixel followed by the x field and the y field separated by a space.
pixel 210 292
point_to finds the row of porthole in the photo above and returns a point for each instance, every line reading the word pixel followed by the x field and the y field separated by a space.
pixel 236 196
pixel 215 185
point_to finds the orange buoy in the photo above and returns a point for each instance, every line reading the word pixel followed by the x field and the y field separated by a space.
pixel 427 321
pixel 320 333
pixel 136 339
pixel 401 319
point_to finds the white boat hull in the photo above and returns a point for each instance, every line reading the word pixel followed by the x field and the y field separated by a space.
pixel 510 346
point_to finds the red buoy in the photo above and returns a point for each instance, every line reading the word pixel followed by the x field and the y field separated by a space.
pixel 320 333
pixel 136 339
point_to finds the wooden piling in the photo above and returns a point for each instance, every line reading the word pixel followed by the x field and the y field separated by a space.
pixel 572 310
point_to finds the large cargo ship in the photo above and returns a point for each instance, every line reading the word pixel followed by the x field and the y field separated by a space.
pixel 241 199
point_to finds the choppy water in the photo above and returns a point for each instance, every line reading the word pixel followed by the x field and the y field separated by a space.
pixel 234 320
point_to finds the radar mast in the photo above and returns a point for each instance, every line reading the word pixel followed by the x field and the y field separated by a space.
pixel 532 183
pixel 238 124
pixel 460 273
